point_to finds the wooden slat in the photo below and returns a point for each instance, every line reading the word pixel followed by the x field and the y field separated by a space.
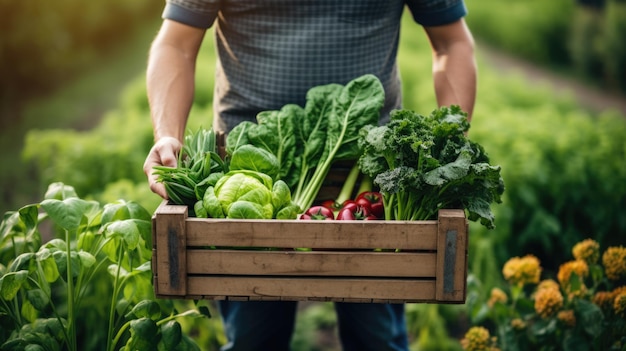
pixel 315 263
pixel 171 246
pixel 404 235
pixel 452 256
pixel 301 288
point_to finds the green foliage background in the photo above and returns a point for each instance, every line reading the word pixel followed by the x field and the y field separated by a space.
pixel 562 34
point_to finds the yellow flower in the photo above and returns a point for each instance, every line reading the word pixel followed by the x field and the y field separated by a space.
pixel 518 324
pixel 614 261
pixel 521 271
pixel 548 284
pixel 587 250
pixel 497 295
pixel 548 302
pixel 478 339
pixel 604 300
pixel 619 304
pixel 578 267
pixel 567 317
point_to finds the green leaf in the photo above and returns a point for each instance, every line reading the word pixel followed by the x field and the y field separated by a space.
pixel 575 342
pixel 11 283
pixel 127 230
pixel 29 215
pixel 22 262
pixel 86 259
pixel 69 214
pixel 145 308
pixel 590 317
pixel 143 334
pixel 86 240
pixel 28 311
pixel 171 334
pixel 113 271
pixel 49 268
pixel 138 286
pixel 544 327
pixel 250 157
pixel 59 191
pixel 37 298
pixel 34 347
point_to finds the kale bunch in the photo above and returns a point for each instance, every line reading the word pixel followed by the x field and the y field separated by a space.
pixel 426 163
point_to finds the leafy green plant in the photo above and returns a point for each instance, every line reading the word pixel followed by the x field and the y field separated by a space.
pixel 45 284
pixel 307 141
pixel 581 308
pixel 425 163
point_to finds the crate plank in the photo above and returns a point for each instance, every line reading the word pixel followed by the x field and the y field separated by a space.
pixel 403 235
pixel 297 263
pixel 320 288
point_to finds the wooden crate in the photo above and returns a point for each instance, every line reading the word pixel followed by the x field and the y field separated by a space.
pixel 351 261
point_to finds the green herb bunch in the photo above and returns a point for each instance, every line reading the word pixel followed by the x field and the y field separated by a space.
pixel 199 166
pixel 425 163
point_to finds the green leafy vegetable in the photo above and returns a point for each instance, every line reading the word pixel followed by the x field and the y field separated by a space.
pixel 307 141
pixel 199 166
pixel 425 163
pixel 248 193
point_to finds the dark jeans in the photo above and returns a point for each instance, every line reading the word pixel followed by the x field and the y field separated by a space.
pixel 268 325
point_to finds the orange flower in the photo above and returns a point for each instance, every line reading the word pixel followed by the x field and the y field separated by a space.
pixel 548 284
pixel 614 261
pixel 580 269
pixel 587 250
pixel 497 295
pixel 478 339
pixel 567 317
pixel 518 324
pixel 548 302
pixel 521 271
pixel 604 300
pixel 619 304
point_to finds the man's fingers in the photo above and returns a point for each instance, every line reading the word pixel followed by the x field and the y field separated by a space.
pixel 163 153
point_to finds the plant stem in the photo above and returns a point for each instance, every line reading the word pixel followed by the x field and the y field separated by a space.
pixel 71 327
pixel 111 343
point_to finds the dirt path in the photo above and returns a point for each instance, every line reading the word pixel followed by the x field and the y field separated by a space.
pixel 594 99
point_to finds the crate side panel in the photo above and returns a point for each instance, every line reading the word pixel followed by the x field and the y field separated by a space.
pixel 313 263
pixel 452 256
pixel 417 235
pixel 170 250
pixel 313 288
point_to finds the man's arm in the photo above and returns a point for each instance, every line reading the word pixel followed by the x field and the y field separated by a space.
pixel 454 65
pixel 170 85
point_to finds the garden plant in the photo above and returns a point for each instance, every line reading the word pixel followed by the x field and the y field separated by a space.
pixel 583 307
pixel 90 287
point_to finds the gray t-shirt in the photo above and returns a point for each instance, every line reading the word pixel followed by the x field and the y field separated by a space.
pixel 270 53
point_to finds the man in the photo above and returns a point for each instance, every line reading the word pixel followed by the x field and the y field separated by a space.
pixel 269 54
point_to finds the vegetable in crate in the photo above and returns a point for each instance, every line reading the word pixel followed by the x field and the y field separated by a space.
pixel 306 141
pixel 425 163
pixel 199 166
pixel 248 190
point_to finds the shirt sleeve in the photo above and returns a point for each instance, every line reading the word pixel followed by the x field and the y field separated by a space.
pixel 196 13
pixel 436 12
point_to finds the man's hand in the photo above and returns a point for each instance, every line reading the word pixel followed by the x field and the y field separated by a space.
pixel 163 153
